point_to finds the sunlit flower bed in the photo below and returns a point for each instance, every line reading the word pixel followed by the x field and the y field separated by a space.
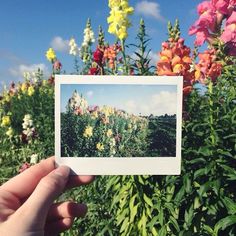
pixel 89 131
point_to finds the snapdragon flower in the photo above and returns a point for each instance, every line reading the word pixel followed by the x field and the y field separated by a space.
pixel 74 50
pixel 51 55
pixel 118 20
pixel 28 129
pixel 78 103
pixel 34 159
pixel 88 35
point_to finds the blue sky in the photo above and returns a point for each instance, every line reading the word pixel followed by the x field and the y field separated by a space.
pixel 134 99
pixel 28 28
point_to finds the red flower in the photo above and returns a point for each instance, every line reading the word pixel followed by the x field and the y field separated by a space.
pixel 93 71
pixel 24 167
pixel 98 56
pixel 57 65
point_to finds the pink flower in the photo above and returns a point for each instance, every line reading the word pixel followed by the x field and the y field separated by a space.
pixel 202 35
pixel 229 34
pixel 57 65
pixel 221 6
pixel 204 7
pixel 24 167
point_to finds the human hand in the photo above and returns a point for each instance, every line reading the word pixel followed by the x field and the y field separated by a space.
pixel 26 201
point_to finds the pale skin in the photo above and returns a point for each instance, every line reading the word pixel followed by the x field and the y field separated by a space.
pixel 27 201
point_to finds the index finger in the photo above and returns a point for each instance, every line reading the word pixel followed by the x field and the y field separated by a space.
pixel 24 184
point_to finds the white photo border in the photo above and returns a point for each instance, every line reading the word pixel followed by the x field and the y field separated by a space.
pixel 124 165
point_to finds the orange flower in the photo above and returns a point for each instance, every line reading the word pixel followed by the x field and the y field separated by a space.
pixel 207 67
pixel 175 60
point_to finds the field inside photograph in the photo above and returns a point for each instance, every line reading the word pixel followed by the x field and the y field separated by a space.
pixel 119 125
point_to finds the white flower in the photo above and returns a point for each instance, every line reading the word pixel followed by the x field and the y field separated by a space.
pixel 34 159
pixel 74 50
pixel 27 125
pixel 26 75
pixel 113 142
pixel 77 101
pixel 88 37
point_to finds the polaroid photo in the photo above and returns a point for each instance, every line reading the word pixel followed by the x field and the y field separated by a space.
pixel 118 125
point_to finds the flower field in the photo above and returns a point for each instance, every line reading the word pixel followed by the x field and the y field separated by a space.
pixel 202 200
pixel 93 131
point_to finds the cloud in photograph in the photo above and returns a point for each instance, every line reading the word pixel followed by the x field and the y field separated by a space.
pixel 131 106
pixel 163 103
pixel 59 44
pixel 18 71
pixel 149 9
pixel 159 104
pixel 90 93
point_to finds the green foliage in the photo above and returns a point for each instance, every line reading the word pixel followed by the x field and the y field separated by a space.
pixel 142 62
pixel 174 31
pixel 40 105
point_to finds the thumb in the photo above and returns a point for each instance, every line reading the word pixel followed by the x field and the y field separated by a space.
pixel 36 208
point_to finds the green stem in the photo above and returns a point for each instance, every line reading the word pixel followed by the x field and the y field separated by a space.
pixel 210 90
pixel 124 57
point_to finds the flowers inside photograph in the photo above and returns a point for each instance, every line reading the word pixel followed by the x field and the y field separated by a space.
pixel 194 41
pixel 118 120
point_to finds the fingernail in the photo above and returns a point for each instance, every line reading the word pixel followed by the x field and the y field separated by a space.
pixel 62 171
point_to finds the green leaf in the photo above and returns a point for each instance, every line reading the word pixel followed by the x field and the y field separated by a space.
pixel 124 225
pixel 199 173
pixel 154 232
pixel 205 151
pixel 133 213
pixel 174 223
pixel 187 183
pixel 230 205
pixel 180 195
pixel 224 223
pixel 161 217
pixel 153 222
pixel 188 215
pixel 147 200
pixel 208 229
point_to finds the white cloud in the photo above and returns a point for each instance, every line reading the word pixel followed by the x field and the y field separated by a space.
pixel 154 58
pixel 164 102
pixel 59 44
pixel 89 93
pixel 159 104
pixel 19 70
pixel 130 106
pixel 150 9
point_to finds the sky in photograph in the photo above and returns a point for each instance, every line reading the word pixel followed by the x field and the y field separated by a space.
pixel 134 99
pixel 28 28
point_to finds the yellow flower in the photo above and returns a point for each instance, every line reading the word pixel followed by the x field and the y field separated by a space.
pixel 107 111
pixel 31 90
pixel 50 54
pixel 94 115
pixel 109 133
pixel 118 20
pixel 5 121
pixel 7 98
pixel 9 132
pixel 88 132
pixel 100 147
pixel 24 87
